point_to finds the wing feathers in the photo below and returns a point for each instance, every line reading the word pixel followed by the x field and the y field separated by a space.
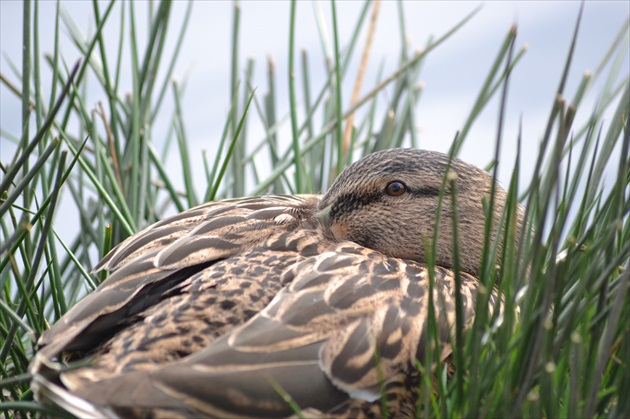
pixel 189 240
pixel 319 341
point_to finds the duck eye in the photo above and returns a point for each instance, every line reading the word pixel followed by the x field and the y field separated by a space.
pixel 395 188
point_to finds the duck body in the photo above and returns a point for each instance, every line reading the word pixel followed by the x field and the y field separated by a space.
pixel 234 308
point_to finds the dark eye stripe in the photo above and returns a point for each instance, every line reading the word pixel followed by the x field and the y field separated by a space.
pixel 426 191
pixel 348 202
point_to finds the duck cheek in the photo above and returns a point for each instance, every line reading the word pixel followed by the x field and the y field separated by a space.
pixel 339 231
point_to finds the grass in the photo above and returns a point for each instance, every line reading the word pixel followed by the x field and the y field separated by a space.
pixel 565 355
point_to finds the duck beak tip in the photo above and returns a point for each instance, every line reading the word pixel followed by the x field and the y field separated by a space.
pixel 323 215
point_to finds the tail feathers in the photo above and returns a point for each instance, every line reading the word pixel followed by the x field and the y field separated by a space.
pixel 50 392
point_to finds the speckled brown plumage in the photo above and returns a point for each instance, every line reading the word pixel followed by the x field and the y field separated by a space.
pixel 217 310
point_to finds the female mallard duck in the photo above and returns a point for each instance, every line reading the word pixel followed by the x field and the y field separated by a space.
pixel 227 308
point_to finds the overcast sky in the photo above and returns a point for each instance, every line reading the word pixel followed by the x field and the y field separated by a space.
pixel 452 74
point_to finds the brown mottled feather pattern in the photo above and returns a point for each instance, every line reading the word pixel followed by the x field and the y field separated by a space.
pixel 148 261
pixel 217 310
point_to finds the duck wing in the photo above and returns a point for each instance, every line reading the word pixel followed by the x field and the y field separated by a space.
pixel 150 263
pixel 350 324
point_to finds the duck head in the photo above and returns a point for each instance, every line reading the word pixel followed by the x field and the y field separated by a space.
pixel 388 201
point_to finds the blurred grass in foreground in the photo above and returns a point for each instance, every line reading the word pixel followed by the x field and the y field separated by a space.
pixel 565 356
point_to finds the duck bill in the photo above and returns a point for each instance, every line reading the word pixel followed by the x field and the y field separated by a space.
pixel 332 229
pixel 323 215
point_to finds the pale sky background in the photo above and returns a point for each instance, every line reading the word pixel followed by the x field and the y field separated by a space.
pixel 452 74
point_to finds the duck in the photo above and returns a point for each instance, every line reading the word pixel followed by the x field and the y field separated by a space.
pixel 273 306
